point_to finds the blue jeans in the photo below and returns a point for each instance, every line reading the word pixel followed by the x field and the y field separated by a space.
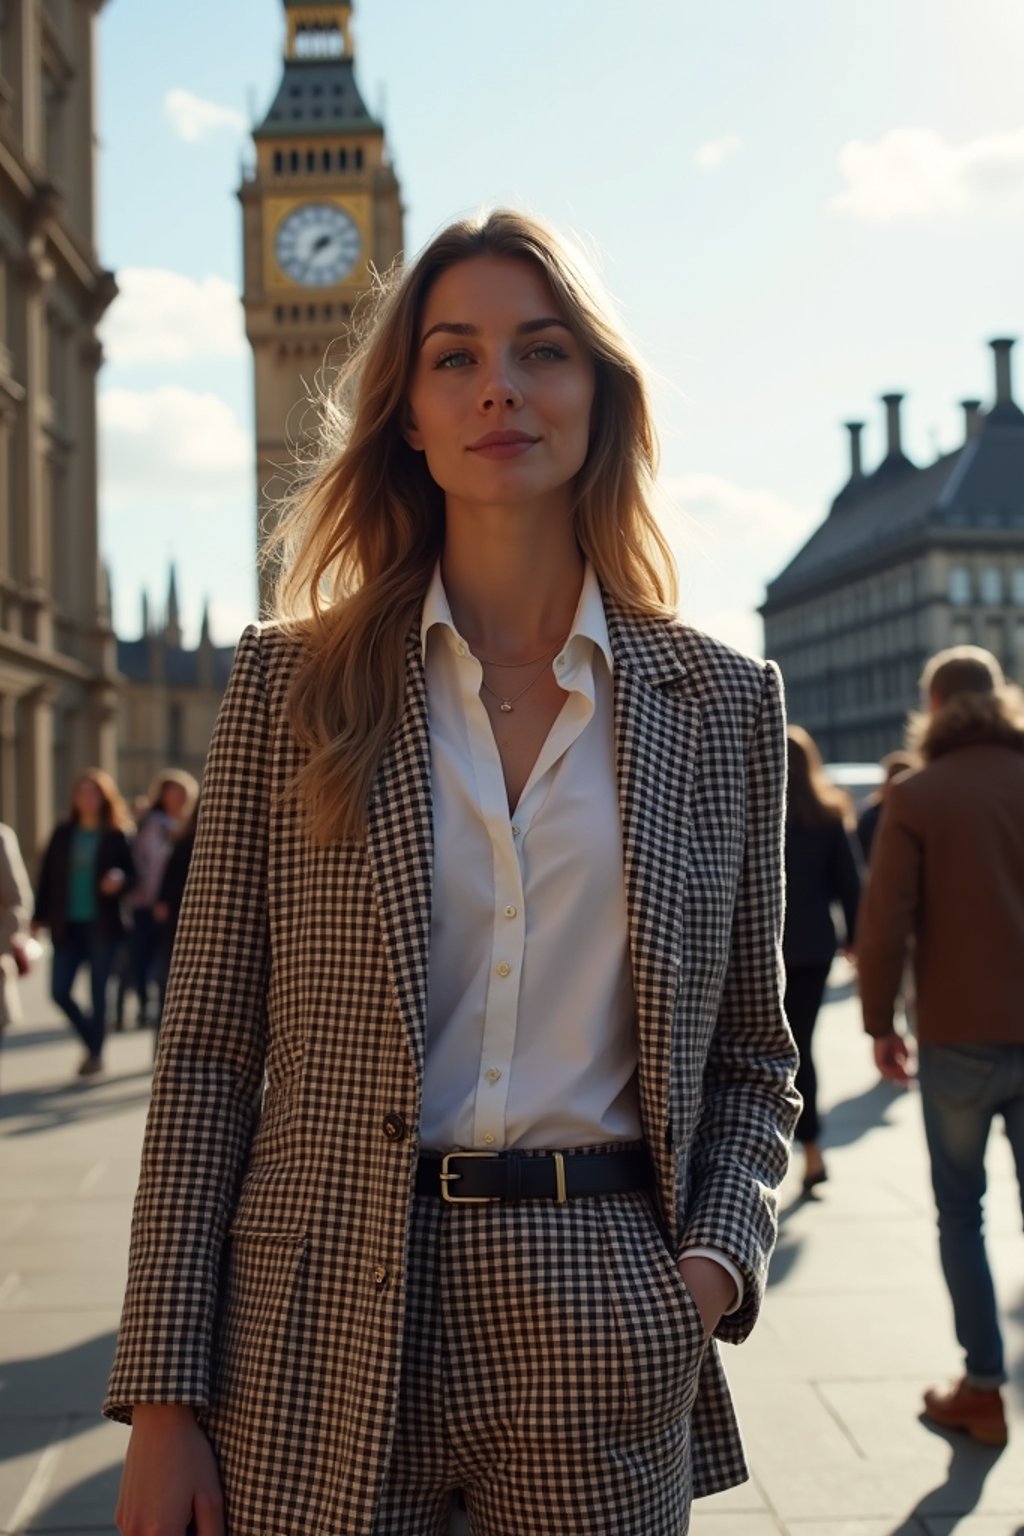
pixel 82 945
pixel 963 1088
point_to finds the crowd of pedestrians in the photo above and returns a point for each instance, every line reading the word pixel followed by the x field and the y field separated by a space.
pixel 108 892
pixel 937 937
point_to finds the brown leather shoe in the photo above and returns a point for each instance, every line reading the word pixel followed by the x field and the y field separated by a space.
pixel 979 1412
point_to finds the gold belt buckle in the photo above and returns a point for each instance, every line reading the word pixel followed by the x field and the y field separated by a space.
pixel 447 1177
pixel 560 1195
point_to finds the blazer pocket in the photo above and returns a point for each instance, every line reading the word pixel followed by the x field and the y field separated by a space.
pixel 261 1322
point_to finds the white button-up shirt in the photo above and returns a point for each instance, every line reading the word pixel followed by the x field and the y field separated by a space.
pixel 531 1016
pixel 531 1037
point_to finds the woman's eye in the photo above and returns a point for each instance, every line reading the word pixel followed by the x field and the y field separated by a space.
pixel 454 359
pixel 547 351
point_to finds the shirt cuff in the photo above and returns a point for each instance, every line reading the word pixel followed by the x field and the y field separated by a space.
pixel 726 1264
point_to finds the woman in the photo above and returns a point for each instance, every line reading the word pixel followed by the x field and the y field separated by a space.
pixel 821 870
pixel 486 891
pixel 87 870
pixel 170 803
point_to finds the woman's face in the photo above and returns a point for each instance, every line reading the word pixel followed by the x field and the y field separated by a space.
pixel 86 798
pixel 502 390
pixel 172 799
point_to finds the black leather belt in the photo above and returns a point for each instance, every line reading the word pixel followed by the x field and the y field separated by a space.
pixel 476 1178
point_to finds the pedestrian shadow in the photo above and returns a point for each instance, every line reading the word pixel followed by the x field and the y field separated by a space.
pixel 26 1037
pixel 787 1251
pixel 74 1103
pixel 959 1495
pixel 849 1119
pixel 65 1387
pixel 87 1506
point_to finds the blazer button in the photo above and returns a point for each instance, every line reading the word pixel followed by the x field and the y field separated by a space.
pixel 380 1277
pixel 395 1128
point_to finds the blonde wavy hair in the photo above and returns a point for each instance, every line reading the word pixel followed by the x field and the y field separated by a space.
pixel 358 538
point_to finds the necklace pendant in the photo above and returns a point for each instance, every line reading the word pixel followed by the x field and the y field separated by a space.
pixel 506 706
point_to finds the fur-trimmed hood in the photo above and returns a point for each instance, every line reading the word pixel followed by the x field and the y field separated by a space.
pixel 971 720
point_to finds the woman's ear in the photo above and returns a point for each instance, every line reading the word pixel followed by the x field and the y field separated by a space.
pixel 411 432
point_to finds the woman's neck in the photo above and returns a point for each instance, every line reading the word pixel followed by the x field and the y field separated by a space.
pixel 512 585
pixel 90 823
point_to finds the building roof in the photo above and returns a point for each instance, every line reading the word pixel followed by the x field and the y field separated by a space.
pixel 317 96
pixel 979 486
pixel 180 668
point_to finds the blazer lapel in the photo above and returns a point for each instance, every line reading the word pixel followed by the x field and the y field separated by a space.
pixel 657 738
pixel 400 848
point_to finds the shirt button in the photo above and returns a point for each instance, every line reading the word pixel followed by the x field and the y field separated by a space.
pixel 493 1074
pixel 462 648
pixel 503 968
pixel 394 1127
pixel 511 911
pixel 559 662
pixel 515 831
pixel 489 1138
pixel 380 1276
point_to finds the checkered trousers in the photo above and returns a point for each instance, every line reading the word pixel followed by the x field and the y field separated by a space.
pixel 551 1358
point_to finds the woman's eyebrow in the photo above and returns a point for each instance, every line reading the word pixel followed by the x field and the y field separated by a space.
pixel 462 328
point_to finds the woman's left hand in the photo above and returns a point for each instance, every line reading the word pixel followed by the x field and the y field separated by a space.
pixel 112 882
pixel 712 1288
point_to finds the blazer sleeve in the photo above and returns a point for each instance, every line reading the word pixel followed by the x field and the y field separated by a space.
pixel 208 1082
pixel 749 1105
pixel 887 914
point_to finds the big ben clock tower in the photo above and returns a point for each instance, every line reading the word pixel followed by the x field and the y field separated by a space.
pixel 321 209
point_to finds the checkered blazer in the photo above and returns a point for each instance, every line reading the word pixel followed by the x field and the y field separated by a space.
pixel 267 1267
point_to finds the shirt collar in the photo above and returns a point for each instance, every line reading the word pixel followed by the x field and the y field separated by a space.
pixel 589 623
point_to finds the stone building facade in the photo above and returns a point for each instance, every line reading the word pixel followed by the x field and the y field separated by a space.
pixel 58 677
pixel 909 560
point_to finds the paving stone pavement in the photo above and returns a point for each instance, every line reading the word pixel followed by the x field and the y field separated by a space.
pixel 828 1387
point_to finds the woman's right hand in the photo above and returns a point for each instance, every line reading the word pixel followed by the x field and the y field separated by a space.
pixel 170 1477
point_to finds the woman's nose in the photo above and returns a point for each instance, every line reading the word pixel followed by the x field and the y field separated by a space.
pixel 500 389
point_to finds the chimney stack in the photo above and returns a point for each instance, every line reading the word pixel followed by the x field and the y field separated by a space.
pixel 1004 386
pixel 894 449
pixel 972 420
pixel 855 428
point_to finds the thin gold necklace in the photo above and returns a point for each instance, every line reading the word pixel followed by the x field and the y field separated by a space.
pixel 518 665
pixel 507 704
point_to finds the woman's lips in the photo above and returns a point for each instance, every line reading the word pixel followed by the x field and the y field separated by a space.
pixel 503 445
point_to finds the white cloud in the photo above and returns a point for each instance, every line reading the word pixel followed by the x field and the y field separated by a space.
pixel 913 173
pixel 729 541
pixel 172 449
pixel 710 512
pixel 713 154
pixel 194 119
pixel 163 317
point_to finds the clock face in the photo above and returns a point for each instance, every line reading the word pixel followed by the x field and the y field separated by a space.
pixel 317 245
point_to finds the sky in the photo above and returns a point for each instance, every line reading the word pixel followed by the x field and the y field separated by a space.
pixel 799 207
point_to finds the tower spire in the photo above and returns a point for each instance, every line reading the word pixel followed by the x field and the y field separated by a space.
pixel 172 628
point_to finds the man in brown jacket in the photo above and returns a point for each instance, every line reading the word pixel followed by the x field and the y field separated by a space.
pixel 948 870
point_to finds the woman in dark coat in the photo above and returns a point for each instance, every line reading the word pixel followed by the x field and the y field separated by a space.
pixel 86 871
pixel 821 870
